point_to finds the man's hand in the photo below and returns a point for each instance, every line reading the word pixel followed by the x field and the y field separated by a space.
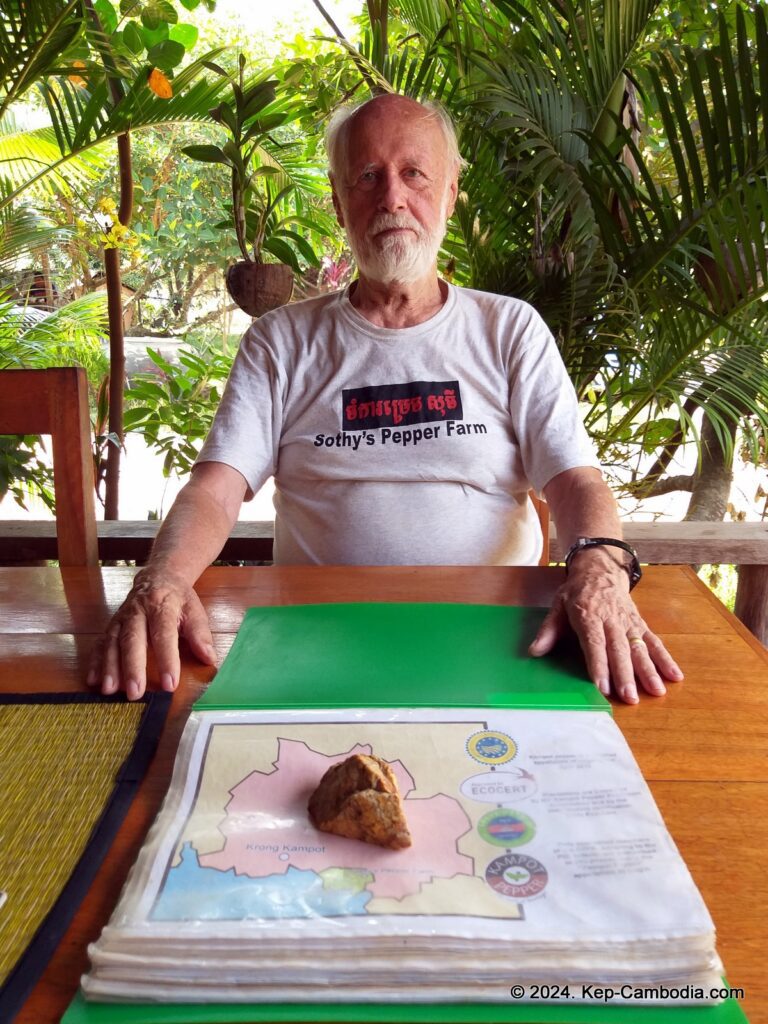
pixel 162 604
pixel 160 608
pixel 617 644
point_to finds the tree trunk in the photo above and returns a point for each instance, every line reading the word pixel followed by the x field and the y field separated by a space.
pixel 114 282
pixel 117 334
pixel 712 480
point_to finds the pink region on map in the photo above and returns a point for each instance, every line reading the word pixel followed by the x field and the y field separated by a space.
pixel 267 829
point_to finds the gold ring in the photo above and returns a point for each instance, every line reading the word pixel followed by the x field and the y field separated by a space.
pixel 636 641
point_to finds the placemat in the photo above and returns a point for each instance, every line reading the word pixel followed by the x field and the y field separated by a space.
pixel 71 764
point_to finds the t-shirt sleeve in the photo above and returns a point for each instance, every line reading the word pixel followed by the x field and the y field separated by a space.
pixel 544 408
pixel 245 433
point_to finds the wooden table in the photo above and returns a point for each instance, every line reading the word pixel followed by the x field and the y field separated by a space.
pixel 702 748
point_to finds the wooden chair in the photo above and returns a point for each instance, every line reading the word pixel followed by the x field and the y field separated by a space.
pixel 55 402
pixel 542 511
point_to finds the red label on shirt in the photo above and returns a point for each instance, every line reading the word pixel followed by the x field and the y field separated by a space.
pixel 393 405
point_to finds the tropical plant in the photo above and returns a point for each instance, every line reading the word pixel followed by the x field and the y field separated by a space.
pixel 264 172
pixel 174 408
pixel 70 336
pixel 101 73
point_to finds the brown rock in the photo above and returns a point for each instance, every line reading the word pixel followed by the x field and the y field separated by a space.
pixel 359 799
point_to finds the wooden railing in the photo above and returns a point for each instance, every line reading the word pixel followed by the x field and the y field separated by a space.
pixel 659 543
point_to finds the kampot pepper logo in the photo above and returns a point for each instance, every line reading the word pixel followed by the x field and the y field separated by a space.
pixel 394 405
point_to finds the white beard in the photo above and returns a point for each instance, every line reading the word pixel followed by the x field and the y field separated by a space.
pixel 398 258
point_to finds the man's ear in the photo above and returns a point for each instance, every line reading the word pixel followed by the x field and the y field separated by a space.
pixel 453 192
pixel 336 202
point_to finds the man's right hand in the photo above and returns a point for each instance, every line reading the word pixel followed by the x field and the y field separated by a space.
pixel 160 608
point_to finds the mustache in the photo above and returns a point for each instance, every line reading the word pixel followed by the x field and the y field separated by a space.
pixel 388 221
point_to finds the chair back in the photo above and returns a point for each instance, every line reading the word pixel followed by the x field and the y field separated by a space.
pixel 542 511
pixel 55 402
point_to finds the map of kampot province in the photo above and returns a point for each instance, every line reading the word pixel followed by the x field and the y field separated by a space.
pixel 248 850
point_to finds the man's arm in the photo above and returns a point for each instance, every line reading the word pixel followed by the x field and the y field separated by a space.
pixel 617 644
pixel 162 603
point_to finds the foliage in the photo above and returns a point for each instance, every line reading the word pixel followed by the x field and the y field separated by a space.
pixel 261 175
pixel 70 336
pixel 179 253
pixel 22 472
pixel 175 408
pixel 101 72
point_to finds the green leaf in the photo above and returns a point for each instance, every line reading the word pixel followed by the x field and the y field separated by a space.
pixel 133 38
pixel 158 11
pixel 153 36
pixel 305 249
pixel 225 115
pixel 107 16
pixel 206 154
pixel 133 417
pixel 190 5
pixel 184 34
pixel 160 361
pixel 166 55
pixel 658 432
pixel 283 251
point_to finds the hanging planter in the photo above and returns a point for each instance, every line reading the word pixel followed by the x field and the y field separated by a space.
pixel 259 287
pixel 259 193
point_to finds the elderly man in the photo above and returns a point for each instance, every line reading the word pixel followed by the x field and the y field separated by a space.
pixel 404 421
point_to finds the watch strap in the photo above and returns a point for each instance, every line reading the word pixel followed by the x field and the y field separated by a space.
pixel 632 567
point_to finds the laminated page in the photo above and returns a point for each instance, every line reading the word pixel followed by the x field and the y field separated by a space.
pixel 538 858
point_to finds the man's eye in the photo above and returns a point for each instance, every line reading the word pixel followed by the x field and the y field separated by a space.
pixel 413 172
pixel 367 176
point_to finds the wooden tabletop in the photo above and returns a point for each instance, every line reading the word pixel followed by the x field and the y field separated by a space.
pixel 702 748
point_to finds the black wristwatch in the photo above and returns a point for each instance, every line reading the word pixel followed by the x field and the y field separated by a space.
pixel 632 567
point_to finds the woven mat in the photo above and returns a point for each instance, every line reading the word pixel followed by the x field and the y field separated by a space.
pixel 69 767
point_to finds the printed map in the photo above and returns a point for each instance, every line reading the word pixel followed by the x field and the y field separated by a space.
pixel 247 849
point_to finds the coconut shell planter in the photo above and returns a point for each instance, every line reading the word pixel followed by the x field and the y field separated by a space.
pixel 259 287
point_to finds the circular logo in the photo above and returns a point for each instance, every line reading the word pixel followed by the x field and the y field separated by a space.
pixel 491 747
pixel 507 787
pixel 516 876
pixel 503 827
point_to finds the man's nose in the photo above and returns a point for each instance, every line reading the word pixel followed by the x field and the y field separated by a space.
pixel 392 192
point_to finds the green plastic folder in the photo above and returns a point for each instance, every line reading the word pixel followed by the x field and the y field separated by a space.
pixel 397 655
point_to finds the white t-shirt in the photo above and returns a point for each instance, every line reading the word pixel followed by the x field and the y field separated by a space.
pixel 401 446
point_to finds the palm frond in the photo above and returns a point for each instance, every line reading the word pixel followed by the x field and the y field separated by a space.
pixel 70 336
pixel 24 232
pixel 83 120
pixel 24 153
pixel 33 35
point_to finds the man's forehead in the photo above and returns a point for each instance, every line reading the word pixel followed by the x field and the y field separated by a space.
pixel 401 136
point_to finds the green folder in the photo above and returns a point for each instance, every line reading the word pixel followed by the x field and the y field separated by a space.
pixel 397 655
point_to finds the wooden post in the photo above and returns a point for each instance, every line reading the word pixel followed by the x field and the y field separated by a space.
pixel 752 600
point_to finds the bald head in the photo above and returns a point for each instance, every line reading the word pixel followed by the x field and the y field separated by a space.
pixel 387 109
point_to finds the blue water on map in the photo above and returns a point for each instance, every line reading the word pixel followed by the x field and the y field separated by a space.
pixel 195 893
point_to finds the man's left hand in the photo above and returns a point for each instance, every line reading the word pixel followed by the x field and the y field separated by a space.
pixel 619 648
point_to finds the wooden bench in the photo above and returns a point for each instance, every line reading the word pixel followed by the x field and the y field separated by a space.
pixel 660 543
